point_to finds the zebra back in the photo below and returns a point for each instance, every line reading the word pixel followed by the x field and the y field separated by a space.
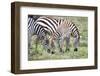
pixel 66 27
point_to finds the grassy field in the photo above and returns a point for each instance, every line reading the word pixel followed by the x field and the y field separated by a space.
pixel 41 54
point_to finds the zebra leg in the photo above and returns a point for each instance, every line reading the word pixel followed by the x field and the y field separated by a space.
pixel 30 44
pixel 36 45
pixel 46 44
pixel 67 43
pixel 60 43
pixel 29 41
pixel 76 43
pixel 52 45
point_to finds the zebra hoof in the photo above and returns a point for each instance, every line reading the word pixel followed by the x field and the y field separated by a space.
pixel 40 53
pixel 67 50
pixel 52 52
pixel 75 49
pixel 61 50
pixel 48 50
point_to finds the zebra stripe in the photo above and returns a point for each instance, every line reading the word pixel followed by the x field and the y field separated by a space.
pixel 65 29
pixel 46 24
pixel 49 23
pixel 35 29
pixel 75 31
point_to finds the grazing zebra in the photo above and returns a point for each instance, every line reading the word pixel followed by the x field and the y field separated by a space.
pixel 66 29
pixel 36 29
pixel 51 26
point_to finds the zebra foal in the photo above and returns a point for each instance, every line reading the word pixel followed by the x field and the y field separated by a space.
pixel 66 29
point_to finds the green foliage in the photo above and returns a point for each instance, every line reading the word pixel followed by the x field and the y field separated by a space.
pixel 40 53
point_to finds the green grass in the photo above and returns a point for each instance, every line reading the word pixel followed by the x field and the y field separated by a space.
pixel 81 53
pixel 41 54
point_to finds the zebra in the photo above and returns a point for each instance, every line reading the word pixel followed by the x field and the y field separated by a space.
pixel 66 29
pixel 38 30
pixel 51 26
